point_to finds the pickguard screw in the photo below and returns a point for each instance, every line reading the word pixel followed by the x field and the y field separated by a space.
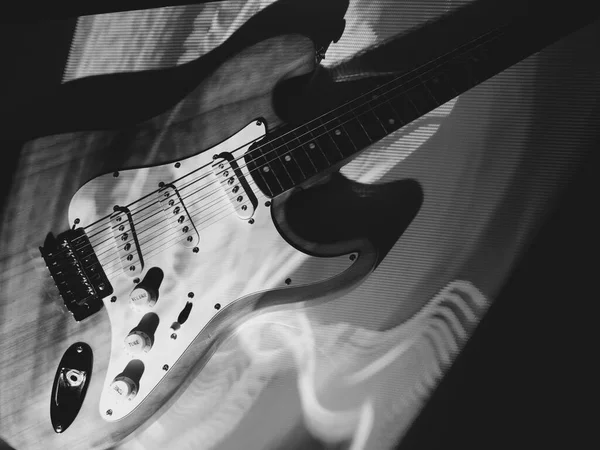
pixel 113 299
pixel 251 221
pixel 190 294
pixel 76 221
pixel 58 428
pixel 109 412
pixel 79 349
pixel 161 184
pixel 174 336
pixel 215 156
pixel 166 367
pixel 195 249
pixel 115 174
pixel 352 257
pixel 258 122
pixel 288 281
pixel 177 165
pixel 136 280
pixel 267 203
pixel 218 306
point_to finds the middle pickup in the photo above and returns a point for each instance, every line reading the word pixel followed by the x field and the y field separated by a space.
pixel 127 242
pixel 178 216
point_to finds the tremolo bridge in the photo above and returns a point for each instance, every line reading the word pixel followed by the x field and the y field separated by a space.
pixel 76 271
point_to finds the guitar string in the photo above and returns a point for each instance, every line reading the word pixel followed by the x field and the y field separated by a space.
pixel 383 85
pixel 227 207
pixel 256 150
pixel 176 231
pixel 323 125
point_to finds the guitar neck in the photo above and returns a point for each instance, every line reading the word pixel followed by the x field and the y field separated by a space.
pixel 329 140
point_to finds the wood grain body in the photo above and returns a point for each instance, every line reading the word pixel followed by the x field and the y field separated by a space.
pixel 35 329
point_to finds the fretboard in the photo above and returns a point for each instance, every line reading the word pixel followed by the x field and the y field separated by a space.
pixel 291 158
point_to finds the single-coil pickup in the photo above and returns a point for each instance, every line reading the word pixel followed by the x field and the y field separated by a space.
pixel 235 185
pixel 178 216
pixel 126 240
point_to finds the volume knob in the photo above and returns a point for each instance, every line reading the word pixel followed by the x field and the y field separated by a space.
pixel 143 298
pixel 145 294
pixel 137 342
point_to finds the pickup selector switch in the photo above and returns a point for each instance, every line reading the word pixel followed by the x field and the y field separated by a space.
pixel 141 338
pixel 145 294
pixel 126 385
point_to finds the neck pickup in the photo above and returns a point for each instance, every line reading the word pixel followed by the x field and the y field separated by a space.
pixel 235 186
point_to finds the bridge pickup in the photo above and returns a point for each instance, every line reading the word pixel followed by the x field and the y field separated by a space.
pixel 178 215
pixel 127 242
pixel 76 271
pixel 233 182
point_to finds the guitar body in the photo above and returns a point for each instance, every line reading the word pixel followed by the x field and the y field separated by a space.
pixel 234 265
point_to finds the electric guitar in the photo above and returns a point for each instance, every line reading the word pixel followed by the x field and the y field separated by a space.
pixel 158 257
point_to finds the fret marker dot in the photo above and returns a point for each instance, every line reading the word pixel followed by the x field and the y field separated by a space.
pixel 266 169
pixel 337 132
pixel 288 158
pixel 391 121
pixel 311 145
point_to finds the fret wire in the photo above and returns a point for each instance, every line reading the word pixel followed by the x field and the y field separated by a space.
pixel 369 102
pixel 328 136
pixel 399 93
pixel 429 91
pixel 342 120
pixel 343 127
pixel 451 85
pixel 292 158
pixel 445 79
pixel 270 170
pixel 336 145
pixel 407 96
pixel 388 100
pixel 258 168
pixel 314 141
pixel 275 148
pixel 361 125
pixel 303 149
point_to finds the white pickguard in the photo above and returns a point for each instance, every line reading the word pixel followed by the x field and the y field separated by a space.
pixel 235 259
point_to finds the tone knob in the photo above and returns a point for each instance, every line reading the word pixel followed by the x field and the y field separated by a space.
pixel 143 298
pixel 141 338
pixel 123 388
pixel 137 343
